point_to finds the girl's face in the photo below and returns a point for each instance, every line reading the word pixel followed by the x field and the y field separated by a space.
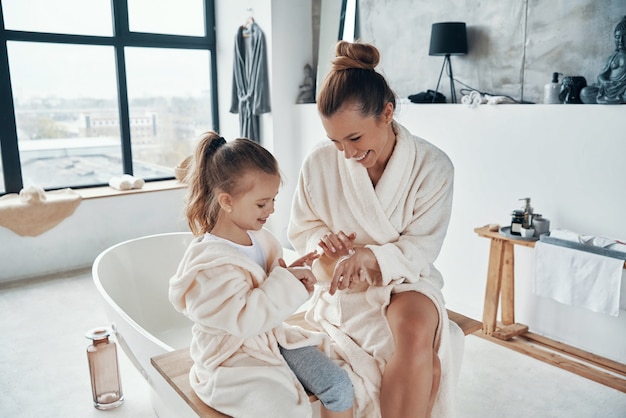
pixel 250 209
pixel 367 140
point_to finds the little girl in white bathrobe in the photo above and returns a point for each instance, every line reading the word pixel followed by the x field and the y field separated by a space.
pixel 235 286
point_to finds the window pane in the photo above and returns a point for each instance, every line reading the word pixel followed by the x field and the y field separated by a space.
pixel 77 17
pixel 66 111
pixel 169 95
pixel 180 17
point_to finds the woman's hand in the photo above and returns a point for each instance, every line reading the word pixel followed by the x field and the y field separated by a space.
pixel 337 245
pixel 354 268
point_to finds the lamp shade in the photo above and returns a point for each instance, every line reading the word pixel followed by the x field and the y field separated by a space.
pixel 448 38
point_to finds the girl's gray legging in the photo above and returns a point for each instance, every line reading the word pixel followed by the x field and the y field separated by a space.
pixel 320 376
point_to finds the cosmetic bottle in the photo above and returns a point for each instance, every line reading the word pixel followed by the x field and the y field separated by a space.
pixel 106 387
pixel 528 213
pixel 541 224
pixel 517 220
pixel 551 90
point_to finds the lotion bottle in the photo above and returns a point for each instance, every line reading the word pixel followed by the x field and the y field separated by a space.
pixel 528 213
pixel 551 90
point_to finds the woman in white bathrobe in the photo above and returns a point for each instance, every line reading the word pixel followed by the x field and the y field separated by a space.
pixel 377 200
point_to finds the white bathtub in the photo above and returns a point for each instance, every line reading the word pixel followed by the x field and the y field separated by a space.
pixel 133 279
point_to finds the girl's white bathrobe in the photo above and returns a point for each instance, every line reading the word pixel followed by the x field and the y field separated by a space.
pixel 238 312
pixel 403 221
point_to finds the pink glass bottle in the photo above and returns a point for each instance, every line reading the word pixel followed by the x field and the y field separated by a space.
pixel 106 386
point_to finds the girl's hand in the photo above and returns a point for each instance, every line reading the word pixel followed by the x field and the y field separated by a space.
pixel 305 275
pixel 305 260
pixel 337 245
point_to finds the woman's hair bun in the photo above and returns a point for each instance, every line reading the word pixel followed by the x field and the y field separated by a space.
pixel 355 55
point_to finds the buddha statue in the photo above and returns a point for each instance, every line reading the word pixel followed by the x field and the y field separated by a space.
pixel 306 90
pixel 611 82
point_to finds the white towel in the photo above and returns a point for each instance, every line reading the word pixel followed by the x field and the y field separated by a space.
pixel 595 240
pixel 565 234
pixel 135 182
pixel 126 182
pixel 120 183
pixel 578 278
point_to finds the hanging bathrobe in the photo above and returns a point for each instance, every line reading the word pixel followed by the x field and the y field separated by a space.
pixel 251 89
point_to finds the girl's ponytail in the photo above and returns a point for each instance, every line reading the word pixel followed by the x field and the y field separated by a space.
pixel 202 208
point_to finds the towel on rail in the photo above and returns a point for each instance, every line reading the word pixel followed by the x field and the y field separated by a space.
pixel 578 278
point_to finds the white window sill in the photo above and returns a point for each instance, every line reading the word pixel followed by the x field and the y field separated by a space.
pixel 106 191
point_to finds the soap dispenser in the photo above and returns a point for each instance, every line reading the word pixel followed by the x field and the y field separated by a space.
pixel 528 213
pixel 551 90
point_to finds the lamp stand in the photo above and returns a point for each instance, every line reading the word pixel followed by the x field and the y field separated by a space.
pixel 446 61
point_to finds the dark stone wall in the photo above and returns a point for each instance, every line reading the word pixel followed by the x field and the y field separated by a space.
pixel 514 46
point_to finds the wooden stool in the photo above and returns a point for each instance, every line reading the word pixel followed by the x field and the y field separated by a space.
pixel 174 366
pixel 500 287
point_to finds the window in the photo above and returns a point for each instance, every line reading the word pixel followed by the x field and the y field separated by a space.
pixel 91 90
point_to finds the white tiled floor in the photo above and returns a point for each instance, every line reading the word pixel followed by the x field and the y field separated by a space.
pixel 43 365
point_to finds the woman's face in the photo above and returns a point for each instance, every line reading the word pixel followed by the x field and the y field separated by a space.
pixel 367 140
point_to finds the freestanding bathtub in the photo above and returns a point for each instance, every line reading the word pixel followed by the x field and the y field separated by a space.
pixel 133 279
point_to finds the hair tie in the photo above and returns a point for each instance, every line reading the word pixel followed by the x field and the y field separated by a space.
pixel 215 144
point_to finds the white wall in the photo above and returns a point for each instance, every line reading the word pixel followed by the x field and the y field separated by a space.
pixel 287 28
pixel 95 225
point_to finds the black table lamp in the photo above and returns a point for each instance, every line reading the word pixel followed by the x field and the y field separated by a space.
pixel 448 38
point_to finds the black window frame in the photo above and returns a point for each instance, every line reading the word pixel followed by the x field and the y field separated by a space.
pixel 122 37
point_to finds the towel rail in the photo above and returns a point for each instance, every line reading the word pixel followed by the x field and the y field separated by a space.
pixel 584 247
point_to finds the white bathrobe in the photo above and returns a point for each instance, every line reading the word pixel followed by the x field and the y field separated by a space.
pixel 403 221
pixel 238 312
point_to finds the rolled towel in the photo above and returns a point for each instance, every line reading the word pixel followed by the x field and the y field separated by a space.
pixel 135 182
pixel 120 183
pixel 473 99
pixel 33 195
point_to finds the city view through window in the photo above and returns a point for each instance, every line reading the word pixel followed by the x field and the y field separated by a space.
pixel 67 102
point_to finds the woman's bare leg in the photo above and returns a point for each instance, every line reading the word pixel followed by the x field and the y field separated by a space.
pixel 411 378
